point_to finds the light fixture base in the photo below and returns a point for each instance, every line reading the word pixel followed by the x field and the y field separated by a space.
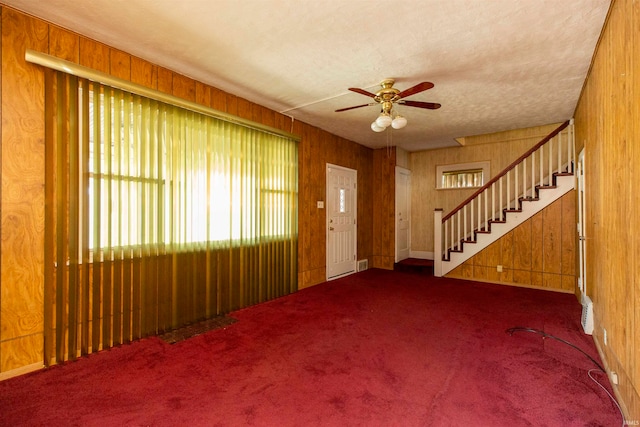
pixel 387 83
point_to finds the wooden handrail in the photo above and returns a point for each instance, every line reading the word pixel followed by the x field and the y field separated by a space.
pixel 507 169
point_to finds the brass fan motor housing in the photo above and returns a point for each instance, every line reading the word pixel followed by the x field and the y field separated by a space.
pixel 387 95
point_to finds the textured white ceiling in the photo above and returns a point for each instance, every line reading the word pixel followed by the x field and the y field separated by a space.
pixel 496 64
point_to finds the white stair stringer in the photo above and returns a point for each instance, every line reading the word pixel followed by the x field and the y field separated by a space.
pixel 546 196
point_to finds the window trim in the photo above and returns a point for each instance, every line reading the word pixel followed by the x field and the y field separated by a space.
pixel 485 166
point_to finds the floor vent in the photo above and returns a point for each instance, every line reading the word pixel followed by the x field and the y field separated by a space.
pixel 363 264
pixel 587 315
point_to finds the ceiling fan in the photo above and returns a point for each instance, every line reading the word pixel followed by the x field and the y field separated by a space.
pixel 387 96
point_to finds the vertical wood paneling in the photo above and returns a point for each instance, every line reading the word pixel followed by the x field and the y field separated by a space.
pixel 537 232
pixel 94 55
pixel 231 103
pixel 120 64
pixel 522 247
pixel 203 94
pixel 568 226
pixel 532 254
pixel 633 346
pixel 22 197
pixel 184 87
pixel 365 201
pixel 384 162
pixel 607 124
pixel 165 80
pixel 507 250
pixel 552 238
pixel 218 100
pixel 144 73
pixel 64 44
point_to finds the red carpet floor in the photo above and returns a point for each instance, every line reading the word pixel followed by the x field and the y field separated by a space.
pixel 378 348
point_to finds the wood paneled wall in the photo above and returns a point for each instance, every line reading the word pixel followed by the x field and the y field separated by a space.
pixel 384 207
pixel 607 123
pixel 22 203
pixel 22 171
pixel 500 149
pixel 323 148
pixel 539 253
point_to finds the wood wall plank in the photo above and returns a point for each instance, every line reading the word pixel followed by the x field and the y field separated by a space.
pixel 20 352
pixel 64 44
pixel 165 80
pixel 522 247
pixel 231 103
pixel 569 237
pixel 22 197
pixel 218 100
pixel 384 163
pixel 184 87
pixel 144 73
pixel 120 64
pixel 537 232
pixel 203 94
pixel 94 55
pixel 552 238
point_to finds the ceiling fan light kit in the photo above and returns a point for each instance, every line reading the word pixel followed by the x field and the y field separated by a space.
pixel 387 97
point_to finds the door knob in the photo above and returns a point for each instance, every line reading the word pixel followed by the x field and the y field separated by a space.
pixel 330 228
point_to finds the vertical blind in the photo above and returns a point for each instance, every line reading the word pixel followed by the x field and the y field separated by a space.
pixel 157 216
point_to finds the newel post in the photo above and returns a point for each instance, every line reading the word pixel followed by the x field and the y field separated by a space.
pixel 437 242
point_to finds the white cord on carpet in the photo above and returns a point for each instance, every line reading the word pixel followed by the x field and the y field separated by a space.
pixel 609 394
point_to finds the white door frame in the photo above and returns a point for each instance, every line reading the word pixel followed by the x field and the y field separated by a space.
pixel 400 221
pixel 328 226
pixel 582 238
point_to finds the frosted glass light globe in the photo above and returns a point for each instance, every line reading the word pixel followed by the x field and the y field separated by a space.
pixel 383 120
pixel 376 128
pixel 399 122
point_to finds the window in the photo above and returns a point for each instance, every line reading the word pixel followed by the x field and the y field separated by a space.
pixel 159 175
pixel 158 213
pixel 464 175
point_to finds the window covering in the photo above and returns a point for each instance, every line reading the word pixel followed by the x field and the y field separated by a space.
pixel 157 215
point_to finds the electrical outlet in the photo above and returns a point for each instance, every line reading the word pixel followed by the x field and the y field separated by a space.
pixel 499 269
pixel 614 377
pixel 604 335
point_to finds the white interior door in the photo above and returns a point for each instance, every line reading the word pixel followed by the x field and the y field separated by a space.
pixel 582 239
pixel 341 221
pixel 403 213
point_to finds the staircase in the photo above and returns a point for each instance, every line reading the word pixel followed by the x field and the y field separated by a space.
pixel 535 180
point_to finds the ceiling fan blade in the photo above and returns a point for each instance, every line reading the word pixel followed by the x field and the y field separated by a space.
pixel 420 87
pixel 357 106
pixel 362 92
pixel 420 104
